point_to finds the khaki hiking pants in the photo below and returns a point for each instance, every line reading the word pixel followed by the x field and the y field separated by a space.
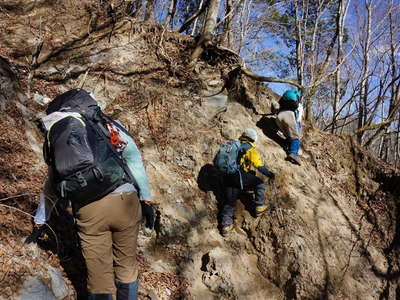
pixel 108 230
pixel 286 122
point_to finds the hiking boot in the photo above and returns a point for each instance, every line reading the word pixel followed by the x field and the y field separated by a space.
pixel 293 158
pixel 226 230
pixel 260 210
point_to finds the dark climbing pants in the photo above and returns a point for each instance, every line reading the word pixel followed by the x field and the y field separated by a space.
pixel 232 189
pixel 108 230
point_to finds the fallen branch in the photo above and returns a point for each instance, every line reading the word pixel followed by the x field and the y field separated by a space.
pixel 16 196
pixel 254 76
pixel 241 67
pixel 8 206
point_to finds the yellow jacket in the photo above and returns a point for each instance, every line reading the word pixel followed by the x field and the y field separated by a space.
pixel 250 158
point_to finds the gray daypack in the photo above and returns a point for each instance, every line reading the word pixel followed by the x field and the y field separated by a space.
pixel 227 158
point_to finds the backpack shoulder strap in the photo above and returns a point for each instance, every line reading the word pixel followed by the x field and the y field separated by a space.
pixel 244 147
pixel 98 126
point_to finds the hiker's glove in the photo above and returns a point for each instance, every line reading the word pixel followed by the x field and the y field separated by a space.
pixel 148 214
pixel 35 235
pixel 271 175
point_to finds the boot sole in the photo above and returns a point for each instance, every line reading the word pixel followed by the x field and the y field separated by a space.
pixel 294 161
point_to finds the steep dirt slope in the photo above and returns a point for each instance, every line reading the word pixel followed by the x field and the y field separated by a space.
pixel 332 231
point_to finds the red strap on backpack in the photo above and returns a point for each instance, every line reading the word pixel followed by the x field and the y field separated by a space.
pixel 115 138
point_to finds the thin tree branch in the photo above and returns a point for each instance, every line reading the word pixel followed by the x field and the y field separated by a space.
pixel 375 126
pixel 197 13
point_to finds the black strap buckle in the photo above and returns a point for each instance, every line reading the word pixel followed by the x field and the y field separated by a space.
pixel 62 189
pixel 82 181
pixel 98 174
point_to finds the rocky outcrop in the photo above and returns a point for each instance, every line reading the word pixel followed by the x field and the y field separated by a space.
pixel 332 228
pixel 34 288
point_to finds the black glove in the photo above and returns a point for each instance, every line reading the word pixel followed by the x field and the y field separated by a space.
pixel 148 215
pixel 271 175
pixel 35 235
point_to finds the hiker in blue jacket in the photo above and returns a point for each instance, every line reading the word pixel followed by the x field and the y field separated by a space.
pixel 288 121
pixel 245 179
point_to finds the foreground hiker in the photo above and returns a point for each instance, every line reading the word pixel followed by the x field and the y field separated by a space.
pixel 236 160
pixel 95 165
pixel 289 121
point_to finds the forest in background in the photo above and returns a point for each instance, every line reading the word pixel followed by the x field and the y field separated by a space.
pixel 342 54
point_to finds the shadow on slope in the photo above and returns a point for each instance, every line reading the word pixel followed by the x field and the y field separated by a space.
pixel 67 247
pixel 380 211
pixel 211 180
pixel 270 129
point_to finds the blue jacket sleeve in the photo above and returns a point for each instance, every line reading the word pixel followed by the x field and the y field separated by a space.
pixel 134 160
pixel 265 171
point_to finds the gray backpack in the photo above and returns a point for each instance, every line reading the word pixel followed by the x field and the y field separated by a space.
pixel 227 158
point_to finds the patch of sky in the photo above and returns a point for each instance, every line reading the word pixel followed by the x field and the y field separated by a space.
pixel 266 55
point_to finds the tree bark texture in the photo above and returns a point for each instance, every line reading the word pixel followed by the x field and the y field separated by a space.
pixel 362 106
pixel 171 13
pixel 149 15
pixel 201 5
pixel 194 17
pixel 227 34
pixel 209 26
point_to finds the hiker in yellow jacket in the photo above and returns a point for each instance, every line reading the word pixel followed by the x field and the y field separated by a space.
pixel 245 179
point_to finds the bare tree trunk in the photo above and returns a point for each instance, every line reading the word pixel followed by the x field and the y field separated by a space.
pixel 380 148
pixel 394 104
pixel 342 9
pixel 393 99
pixel 313 60
pixel 383 141
pixel 211 20
pixel 227 35
pixel 171 13
pixel 139 10
pixel 149 11
pixel 196 19
pixel 362 106
pixel 209 26
pixel 299 46
pixel 300 61
pixel 397 151
pixel 244 18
